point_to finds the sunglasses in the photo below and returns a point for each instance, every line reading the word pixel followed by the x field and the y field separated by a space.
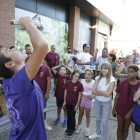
pixel 12 47
pixel 75 51
pixel 87 47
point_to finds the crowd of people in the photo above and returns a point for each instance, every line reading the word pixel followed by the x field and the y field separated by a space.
pixel 27 84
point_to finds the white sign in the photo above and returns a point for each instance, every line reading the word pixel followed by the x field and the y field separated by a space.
pixel 103 28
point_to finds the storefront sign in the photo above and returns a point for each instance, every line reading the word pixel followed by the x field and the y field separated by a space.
pixel 103 28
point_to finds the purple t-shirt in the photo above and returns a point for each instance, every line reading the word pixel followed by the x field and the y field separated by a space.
pixel 136 114
pixel 24 102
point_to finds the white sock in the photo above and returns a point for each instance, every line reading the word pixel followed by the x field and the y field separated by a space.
pixel 87 128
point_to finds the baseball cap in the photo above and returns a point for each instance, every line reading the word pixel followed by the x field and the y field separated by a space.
pixel 68 48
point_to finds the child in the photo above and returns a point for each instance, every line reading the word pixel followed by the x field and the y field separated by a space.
pixel 74 61
pixel 86 101
pixel 112 58
pixel 43 78
pixel 72 97
pixel 22 94
pixel 59 93
pixel 103 88
pixel 135 117
pixel 124 103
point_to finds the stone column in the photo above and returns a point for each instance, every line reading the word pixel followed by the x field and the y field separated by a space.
pixel 94 35
pixel 74 27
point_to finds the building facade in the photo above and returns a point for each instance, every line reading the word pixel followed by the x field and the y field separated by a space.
pixel 66 23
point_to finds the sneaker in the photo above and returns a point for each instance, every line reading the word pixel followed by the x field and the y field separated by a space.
pixel 57 121
pixel 87 132
pixel 66 132
pixel 47 126
pixel 78 130
pixel 115 118
pixel 65 123
pixel 94 136
pixel 70 134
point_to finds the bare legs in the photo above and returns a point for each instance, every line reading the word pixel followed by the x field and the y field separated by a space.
pixel 81 113
pixel 88 116
pixel 55 81
pixel 59 112
pixel 123 128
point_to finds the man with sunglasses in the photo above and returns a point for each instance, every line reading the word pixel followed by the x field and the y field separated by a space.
pixel 84 59
pixel 71 57
pixel 101 59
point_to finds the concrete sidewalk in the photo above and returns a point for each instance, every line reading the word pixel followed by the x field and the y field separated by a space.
pixel 58 130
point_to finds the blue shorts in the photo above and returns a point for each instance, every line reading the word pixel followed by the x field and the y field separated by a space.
pixel 83 76
pixel 44 103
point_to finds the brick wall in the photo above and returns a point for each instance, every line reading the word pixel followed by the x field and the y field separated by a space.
pixel 74 26
pixel 94 36
pixel 7 32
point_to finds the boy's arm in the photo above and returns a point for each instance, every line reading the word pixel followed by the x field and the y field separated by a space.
pixel 78 62
pixel 48 87
pixel 45 62
pixel 69 69
pixel 96 67
pixel 108 92
pixel 39 44
pixel 78 102
pixel 59 62
pixel 68 62
pixel 79 98
pixel 65 95
pixel 55 68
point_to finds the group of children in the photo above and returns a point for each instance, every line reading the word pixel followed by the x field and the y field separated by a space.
pixel 24 98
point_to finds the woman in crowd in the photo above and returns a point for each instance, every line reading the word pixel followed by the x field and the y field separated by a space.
pixel 124 103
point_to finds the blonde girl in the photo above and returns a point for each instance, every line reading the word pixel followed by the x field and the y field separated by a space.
pixel 103 88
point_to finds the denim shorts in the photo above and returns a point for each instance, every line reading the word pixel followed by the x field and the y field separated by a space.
pixel 83 76
pixel 44 103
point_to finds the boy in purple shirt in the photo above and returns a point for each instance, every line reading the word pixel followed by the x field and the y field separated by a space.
pixel 23 96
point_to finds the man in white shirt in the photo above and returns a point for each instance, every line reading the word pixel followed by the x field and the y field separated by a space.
pixel 84 59
pixel 71 57
pixel 101 59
